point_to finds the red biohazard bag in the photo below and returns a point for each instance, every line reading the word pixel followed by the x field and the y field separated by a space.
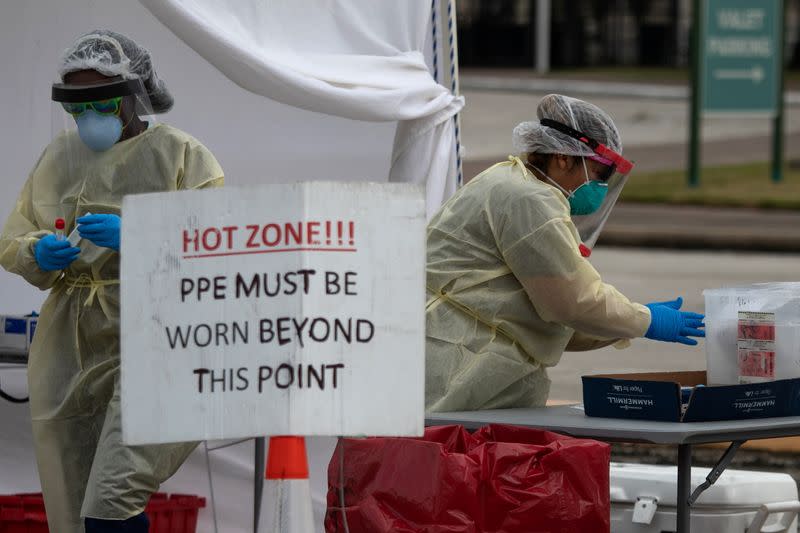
pixel 499 479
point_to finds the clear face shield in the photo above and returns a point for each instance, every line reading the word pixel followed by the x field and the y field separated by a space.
pixel 93 124
pixel 610 169
pixel 103 110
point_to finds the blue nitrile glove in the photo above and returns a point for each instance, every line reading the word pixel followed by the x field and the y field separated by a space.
pixel 52 253
pixel 669 324
pixel 103 230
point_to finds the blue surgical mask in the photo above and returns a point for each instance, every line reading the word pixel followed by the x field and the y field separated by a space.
pixel 587 198
pixel 99 132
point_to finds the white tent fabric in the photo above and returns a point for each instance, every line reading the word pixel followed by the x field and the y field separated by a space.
pixel 342 62
pixel 256 139
pixel 358 59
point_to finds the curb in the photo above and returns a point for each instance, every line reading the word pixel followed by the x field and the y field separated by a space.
pixel 693 227
pixel 689 239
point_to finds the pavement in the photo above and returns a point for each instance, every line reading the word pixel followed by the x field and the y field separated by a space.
pixel 514 81
pixel 653 120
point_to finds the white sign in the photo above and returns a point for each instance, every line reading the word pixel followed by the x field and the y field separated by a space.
pixel 275 310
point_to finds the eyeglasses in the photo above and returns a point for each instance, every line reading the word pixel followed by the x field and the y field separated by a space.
pixel 103 107
pixel 619 163
pixel 603 168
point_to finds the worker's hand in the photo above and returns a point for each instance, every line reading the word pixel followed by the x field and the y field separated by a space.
pixel 54 254
pixel 668 323
pixel 103 230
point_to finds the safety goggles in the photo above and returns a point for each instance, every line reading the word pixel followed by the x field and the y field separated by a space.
pixel 603 154
pixel 105 96
pixel 110 106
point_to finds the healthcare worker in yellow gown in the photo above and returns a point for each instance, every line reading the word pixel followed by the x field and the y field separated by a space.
pixel 113 148
pixel 509 284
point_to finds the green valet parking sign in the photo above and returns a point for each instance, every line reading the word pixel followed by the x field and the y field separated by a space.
pixel 741 56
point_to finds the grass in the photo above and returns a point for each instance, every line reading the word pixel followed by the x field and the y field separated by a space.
pixel 746 185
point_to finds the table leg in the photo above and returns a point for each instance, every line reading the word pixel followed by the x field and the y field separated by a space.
pixel 717 471
pixel 683 522
pixel 258 478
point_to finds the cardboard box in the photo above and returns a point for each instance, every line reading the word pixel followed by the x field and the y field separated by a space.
pixel 657 396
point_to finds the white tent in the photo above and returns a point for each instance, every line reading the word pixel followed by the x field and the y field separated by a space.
pixel 280 91
pixel 327 90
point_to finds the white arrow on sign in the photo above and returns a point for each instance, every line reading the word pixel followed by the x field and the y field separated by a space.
pixel 756 74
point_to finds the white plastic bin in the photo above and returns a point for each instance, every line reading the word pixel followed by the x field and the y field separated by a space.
pixel 643 499
pixel 752 333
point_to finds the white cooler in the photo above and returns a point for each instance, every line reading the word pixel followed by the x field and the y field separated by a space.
pixel 643 500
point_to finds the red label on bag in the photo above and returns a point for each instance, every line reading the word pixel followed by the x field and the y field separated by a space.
pixel 755 331
pixel 756 346
pixel 757 364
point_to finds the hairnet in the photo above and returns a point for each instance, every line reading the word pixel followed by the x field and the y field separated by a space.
pixel 113 54
pixel 532 137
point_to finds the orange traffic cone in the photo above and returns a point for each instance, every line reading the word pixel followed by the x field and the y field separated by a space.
pixel 287 492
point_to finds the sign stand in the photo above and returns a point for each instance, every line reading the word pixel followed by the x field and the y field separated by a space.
pixel 694 106
pixel 777 129
pixel 260 446
pixel 292 309
pixel 737 69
